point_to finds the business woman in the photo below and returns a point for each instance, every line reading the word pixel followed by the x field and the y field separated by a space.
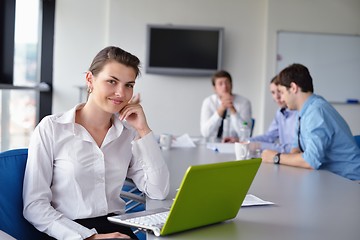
pixel 78 160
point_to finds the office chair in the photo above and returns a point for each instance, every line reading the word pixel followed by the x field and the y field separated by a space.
pixel 134 199
pixel 135 202
pixel 12 221
pixel 357 140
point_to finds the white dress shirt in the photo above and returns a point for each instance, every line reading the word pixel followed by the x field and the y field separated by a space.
pixel 210 120
pixel 5 236
pixel 69 177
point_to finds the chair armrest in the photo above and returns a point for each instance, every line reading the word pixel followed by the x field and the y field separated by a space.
pixel 132 196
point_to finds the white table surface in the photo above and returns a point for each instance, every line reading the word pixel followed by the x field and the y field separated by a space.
pixel 309 204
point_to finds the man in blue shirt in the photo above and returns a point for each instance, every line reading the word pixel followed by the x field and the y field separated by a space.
pixel 281 132
pixel 324 139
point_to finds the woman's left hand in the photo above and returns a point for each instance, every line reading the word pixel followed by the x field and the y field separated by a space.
pixel 134 114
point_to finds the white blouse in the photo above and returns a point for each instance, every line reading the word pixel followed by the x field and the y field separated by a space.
pixel 69 177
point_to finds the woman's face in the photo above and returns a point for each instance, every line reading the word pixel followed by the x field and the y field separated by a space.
pixel 113 87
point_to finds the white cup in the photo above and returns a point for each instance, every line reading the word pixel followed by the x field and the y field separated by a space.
pixel 165 141
pixel 241 150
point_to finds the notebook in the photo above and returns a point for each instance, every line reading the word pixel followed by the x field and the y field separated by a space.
pixel 208 194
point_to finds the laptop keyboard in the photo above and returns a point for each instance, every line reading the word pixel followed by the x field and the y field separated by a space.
pixel 157 219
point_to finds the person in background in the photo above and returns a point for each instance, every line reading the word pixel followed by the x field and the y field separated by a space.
pixel 78 160
pixel 223 113
pixel 324 140
pixel 281 132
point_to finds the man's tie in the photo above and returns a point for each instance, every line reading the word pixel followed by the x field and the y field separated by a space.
pixel 221 128
pixel 282 110
pixel 301 149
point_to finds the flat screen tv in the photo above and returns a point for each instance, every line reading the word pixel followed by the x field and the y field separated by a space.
pixel 183 50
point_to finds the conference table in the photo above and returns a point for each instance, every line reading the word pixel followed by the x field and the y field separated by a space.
pixel 309 204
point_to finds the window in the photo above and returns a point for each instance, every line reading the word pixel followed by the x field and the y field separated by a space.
pixel 26 52
pixel 18 117
pixel 26 43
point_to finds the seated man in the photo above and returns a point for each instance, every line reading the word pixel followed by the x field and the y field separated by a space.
pixel 281 132
pixel 223 113
pixel 324 139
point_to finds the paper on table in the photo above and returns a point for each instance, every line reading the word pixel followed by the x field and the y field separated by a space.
pixel 251 200
pixel 183 141
pixel 222 147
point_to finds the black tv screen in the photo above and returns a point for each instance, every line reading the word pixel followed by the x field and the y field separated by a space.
pixel 181 50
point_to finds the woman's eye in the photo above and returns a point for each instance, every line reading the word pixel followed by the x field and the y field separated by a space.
pixel 129 85
pixel 111 81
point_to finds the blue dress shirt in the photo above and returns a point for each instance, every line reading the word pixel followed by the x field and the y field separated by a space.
pixel 281 132
pixel 327 140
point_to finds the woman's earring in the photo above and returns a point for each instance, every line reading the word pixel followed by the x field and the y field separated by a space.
pixel 89 90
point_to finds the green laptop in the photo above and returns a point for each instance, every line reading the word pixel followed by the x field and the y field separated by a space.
pixel 208 194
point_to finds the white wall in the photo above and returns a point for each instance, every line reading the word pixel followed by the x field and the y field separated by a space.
pixel 80 33
pixel 172 104
pixel 320 16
